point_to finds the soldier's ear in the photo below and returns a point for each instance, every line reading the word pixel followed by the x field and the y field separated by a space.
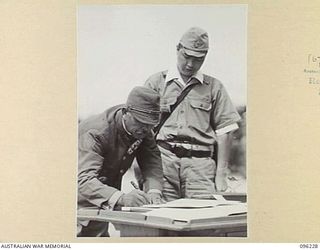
pixel 179 46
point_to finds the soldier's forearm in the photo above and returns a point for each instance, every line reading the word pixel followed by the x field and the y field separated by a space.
pixel 224 149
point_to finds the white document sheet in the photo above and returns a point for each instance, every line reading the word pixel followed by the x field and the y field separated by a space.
pixel 192 203
pixel 188 215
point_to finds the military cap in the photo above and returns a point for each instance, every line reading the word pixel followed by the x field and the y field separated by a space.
pixel 195 42
pixel 144 104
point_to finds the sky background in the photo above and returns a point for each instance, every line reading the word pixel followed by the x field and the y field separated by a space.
pixel 119 47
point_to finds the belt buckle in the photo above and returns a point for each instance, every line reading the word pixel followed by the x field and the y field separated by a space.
pixel 181 152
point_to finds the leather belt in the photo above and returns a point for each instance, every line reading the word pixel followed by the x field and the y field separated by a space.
pixel 191 146
pixel 182 152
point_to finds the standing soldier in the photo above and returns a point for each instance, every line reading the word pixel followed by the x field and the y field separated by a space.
pixel 204 118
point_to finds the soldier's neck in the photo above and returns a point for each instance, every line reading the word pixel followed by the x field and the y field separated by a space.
pixel 185 78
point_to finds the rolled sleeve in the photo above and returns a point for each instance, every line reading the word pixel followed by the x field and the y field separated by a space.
pixel 225 115
pixel 227 129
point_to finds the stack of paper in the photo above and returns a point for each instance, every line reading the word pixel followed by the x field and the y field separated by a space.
pixel 187 210
pixel 192 203
pixel 188 215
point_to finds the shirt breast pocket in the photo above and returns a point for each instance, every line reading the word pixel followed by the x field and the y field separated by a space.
pixel 199 114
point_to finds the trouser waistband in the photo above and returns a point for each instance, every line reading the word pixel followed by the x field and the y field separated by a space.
pixel 183 152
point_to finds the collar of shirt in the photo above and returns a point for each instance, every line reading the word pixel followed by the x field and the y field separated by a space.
pixel 127 139
pixel 173 73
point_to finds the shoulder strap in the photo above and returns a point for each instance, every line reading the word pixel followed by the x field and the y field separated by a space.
pixel 166 115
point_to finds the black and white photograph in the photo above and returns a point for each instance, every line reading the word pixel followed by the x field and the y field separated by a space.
pixel 162 100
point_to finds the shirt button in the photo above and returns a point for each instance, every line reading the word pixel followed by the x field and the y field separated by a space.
pixel 181 111
pixel 121 171
pixel 123 158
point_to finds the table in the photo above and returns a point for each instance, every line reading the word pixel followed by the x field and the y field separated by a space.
pixel 137 224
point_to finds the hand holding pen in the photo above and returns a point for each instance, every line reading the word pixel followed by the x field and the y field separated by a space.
pixel 153 197
pixel 135 198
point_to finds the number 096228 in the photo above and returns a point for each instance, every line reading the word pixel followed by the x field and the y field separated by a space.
pixel 307 246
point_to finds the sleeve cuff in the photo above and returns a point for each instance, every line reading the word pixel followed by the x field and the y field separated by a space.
pixel 155 191
pixel 227 129
pixel 112 201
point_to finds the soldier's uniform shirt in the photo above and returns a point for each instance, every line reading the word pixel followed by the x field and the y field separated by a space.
pixel 103 143
pixel 205 113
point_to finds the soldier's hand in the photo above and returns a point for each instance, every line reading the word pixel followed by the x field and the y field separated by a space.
pixel 155 198
pixel 135 198
pixel 221 182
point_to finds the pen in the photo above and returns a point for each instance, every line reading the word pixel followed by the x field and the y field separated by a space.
pixel 137 209
pixel 134 185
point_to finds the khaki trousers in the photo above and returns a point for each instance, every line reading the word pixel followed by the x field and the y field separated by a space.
pixel 187 177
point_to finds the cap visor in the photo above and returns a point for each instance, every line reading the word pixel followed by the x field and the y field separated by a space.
pixel 194 53
pixel 145 119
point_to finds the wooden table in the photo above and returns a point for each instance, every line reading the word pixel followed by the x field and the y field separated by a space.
pixel 137 224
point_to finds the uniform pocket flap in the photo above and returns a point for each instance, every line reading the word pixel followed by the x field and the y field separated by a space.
pixel 201 104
